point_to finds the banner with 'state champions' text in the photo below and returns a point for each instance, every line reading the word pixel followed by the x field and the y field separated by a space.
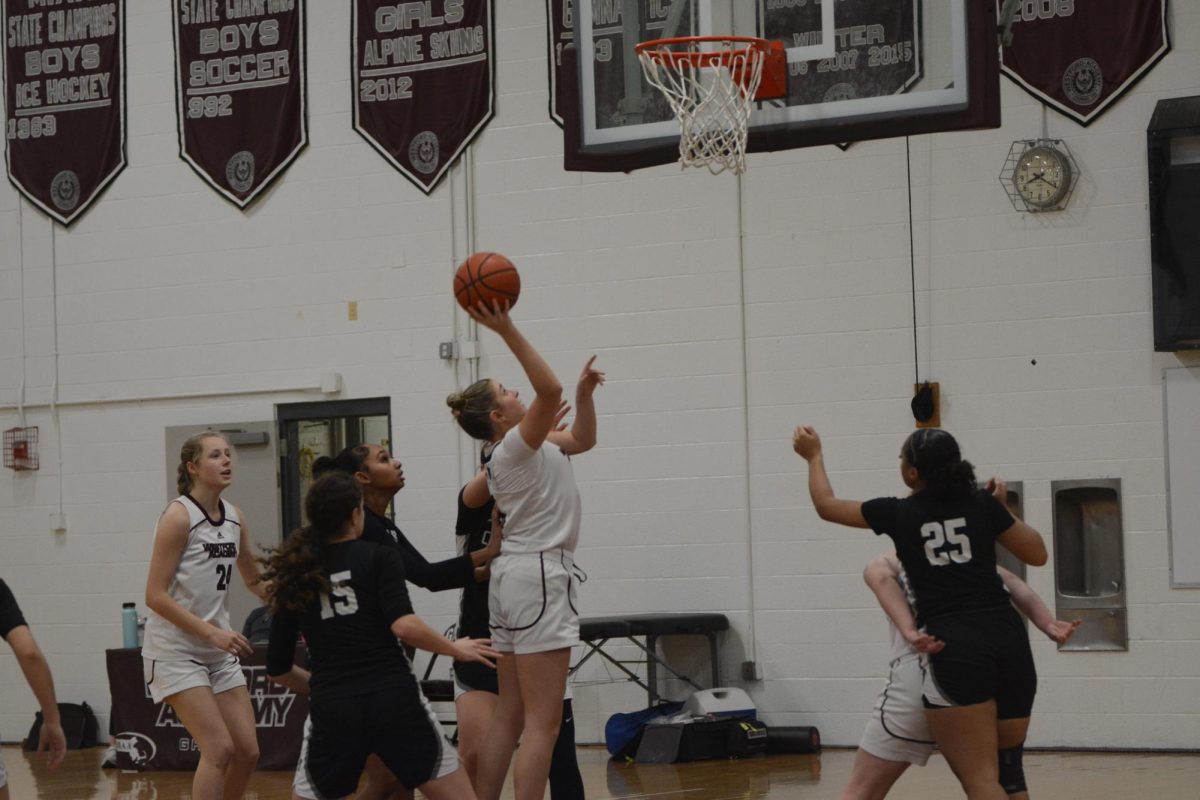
pixel 423 75
pixel 1080 56
pixel 240 91
pixel 64 101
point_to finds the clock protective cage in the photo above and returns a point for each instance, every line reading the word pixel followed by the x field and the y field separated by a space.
pixel 1007 174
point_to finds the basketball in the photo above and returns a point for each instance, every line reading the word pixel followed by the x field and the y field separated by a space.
pixel 485 277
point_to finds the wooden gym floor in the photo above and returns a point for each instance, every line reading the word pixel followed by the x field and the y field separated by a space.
pixel 1063 776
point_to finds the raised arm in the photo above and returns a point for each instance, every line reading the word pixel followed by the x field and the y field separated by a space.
pixel 807 444
pixel 1032 606
pixel 882 577
pixel 539 417
pixel 170 539
pixel 52 740
pixel 582 435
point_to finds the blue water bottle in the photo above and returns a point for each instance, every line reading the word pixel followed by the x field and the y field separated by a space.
pixel 129 626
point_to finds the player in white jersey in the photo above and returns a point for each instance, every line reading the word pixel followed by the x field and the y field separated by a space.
pixel 533 615
pixel 897 733
pixel 190 654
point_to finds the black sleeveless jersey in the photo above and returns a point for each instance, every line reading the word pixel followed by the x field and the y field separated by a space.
pixel 352 649
pixel 947 547
pixel 472 531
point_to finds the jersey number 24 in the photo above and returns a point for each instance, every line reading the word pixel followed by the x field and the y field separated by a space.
pixel 944 543
pixel 341 600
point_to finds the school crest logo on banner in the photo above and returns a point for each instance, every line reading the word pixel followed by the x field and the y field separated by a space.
pixel 240 91
pixel 64 101
pixel 423 81
pixel 1079 56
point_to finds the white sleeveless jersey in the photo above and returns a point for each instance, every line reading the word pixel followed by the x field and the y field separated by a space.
pixel 201 585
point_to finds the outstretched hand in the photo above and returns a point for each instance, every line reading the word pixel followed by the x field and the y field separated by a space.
pixel 589 379
pixel 806 442
pixel 923 642
pixel 1061 630
pixel 479 650
pixel 494 317
pixel 998 489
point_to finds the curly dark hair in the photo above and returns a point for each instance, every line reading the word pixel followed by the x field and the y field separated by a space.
pixel 296 569
pixel 938 460
pixel 350 460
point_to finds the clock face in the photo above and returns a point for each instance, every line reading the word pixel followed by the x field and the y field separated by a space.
pixel 1042 177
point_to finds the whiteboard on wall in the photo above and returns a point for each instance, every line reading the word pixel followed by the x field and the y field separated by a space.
pixel 1181 407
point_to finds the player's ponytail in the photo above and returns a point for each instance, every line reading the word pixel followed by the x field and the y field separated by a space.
pixel 190 453
pixel 472 408
pixel 296 569
pixel 351 460
pixel 938 460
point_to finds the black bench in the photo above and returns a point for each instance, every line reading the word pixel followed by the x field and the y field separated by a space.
pixel 595 632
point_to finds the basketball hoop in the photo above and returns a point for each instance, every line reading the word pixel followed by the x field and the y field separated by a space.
pixel 711 83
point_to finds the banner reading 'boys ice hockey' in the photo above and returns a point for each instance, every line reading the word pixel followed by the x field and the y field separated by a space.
pixel 64 101
pixel 1079 56
pixel 240 91
pixel 423 75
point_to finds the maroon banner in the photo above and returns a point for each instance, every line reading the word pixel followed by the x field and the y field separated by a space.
pixel 423 76
pixel 878 49
pixel 149 736
pixel 1080 60
pixel 64 101
pixel 240 91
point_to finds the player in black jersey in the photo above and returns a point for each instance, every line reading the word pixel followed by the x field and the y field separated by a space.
pixel 348 598
pixel 979 688
pixel 381 477
pixel 476 687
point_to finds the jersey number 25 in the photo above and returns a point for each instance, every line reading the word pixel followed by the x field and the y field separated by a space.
pixel 938 534
pixel 341 599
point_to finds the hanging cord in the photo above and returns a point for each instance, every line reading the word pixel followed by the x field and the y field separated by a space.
pixel 912 261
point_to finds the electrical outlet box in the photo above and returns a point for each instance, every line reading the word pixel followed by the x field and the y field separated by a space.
pixel 448 350
pixel 751 671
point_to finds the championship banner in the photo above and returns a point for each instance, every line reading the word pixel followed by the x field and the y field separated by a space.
pixel 64 101
pixel 423 81
pixel 149 736
pixel 1080 60
pixel 878 51
pixel 240 91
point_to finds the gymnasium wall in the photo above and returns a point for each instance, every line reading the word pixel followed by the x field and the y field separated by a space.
pixel 693 499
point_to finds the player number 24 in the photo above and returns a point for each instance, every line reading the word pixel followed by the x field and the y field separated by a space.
pixel 341 599
pixel 957 547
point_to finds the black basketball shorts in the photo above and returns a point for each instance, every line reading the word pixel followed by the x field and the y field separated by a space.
pixel 987 657
pixel 395 724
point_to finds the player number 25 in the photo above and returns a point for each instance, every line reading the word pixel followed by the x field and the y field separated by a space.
pixel 341 599
pixel 938 534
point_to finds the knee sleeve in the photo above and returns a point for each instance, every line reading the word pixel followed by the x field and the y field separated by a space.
pixel 1012 769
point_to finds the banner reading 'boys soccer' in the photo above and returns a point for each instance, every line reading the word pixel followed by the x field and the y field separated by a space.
pixel 240 91
pixel 64 101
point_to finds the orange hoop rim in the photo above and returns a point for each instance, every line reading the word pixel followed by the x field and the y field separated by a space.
pixel 655 50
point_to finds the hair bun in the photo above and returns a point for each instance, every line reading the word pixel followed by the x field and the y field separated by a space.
pixel 456 401
pixel 322 465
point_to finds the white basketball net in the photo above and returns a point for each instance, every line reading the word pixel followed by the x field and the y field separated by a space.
pixel 710 86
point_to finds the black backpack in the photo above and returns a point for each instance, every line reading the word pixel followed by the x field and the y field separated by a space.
pixel 78 723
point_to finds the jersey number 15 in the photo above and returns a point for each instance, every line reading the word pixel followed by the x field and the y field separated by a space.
pixel 954 546
pixel 341 600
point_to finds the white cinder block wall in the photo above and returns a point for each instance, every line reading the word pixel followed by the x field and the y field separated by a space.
pixel 694 500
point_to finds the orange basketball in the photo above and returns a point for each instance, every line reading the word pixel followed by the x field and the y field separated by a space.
pixel 485 277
